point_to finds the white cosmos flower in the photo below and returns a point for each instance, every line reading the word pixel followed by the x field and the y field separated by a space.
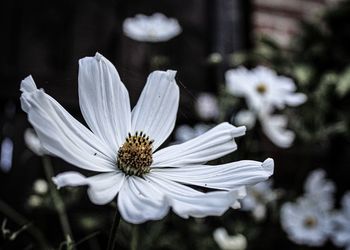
pixel 340 233
pixel 155 28
pixel 263 89
pixel 305 222
pixel 320 189
pixel 228 242
pixel 121 147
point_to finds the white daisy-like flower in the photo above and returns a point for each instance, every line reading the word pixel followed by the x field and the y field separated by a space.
pixel 207 106
pixel 186 132
pixel 340 233
pixel 320 189
pixel 258 196
pixel 263 89
pixel 32 142
pixel 305 222
pixel 229 242
pixel 154 28
pixel 122 147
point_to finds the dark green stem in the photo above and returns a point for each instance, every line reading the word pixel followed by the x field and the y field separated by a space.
pixel 135 237
pixel 112 241
pixel 58 203
pixel 21 220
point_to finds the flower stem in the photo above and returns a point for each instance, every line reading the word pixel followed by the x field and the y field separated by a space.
pixel 12 214
pixel 135 237
pixel 58 203
pixel 112 241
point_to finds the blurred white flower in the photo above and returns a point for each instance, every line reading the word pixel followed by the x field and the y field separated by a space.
pixel 185 132
pixel 6 154
pixel 121 147
pixel 263 88
pixel 340 233
pixel 264 91
pixel 258 196
pixel 228 242
pixel 207 106
pixel 245 118
pixel 320 189
pixel 305 222
pixel 274 127
pixel 33 143
pixel 242 192
pixel 154 28
pixel 214 58
pixel 40 186
pixel 35 201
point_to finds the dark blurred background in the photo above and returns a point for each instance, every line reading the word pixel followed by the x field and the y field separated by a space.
pixel 47 38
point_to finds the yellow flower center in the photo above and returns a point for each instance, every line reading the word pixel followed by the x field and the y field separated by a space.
pixel 310 222
pixel 261 88
pixel 135 155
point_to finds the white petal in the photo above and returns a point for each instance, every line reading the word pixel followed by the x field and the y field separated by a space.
pixel 245 118
pixel 320 189
pixel 186 201
pixel 211 145
pixel 138 201
pixel 274 127
pixel 104 100
pixel 227 176
pixel 156 110
pixel 238 81
pixel 229 242
pixel 295 99
pixel 71 179
pixel 236 205
pixel 102 187
pixel 27 86
pixel 32 142
pixel 61 134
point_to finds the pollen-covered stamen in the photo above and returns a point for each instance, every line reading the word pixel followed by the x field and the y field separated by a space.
pixel 135 155
pixel 261 88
